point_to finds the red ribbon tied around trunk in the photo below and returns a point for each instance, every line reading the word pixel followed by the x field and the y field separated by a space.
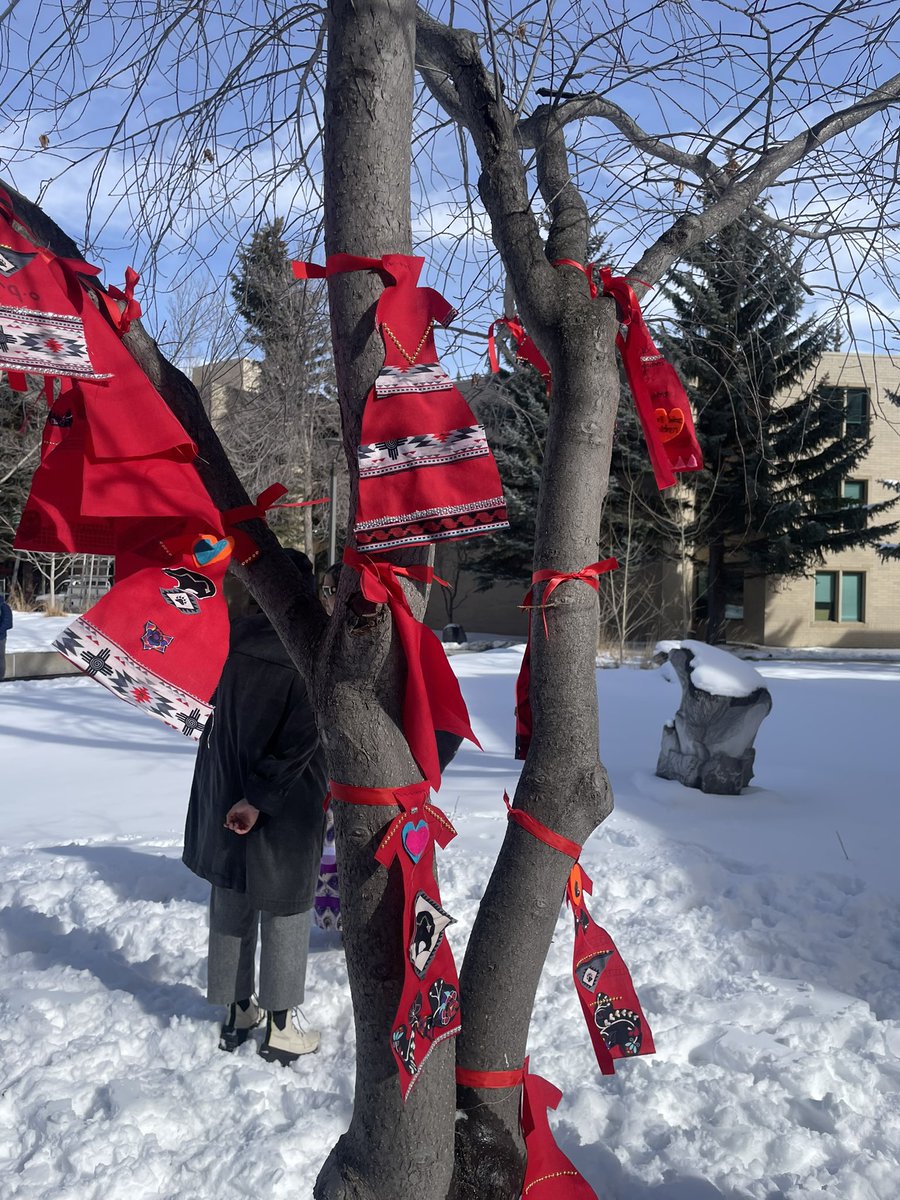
pixel 587 271
pixel 247 549
pixel 432 699
pixel 549 1174
pixel 428 1011
pixel 553 578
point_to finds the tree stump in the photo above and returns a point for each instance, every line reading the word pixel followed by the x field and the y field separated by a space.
pixel 709 745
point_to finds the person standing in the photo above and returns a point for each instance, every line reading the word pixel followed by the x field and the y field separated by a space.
pixel 6 624
pixel 254 831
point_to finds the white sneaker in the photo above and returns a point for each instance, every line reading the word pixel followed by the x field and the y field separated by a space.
pixel 287 1037
pixel 242 1016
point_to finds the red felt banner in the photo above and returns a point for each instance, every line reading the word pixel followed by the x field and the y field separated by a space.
pixel 428 1012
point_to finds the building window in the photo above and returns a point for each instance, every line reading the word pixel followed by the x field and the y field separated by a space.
pixel 856 491
pixel 840 596
pixel 854 402
pixel 826 595
pixel 852 586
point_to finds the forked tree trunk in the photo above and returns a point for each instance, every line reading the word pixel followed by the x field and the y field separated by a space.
pixel 392 1150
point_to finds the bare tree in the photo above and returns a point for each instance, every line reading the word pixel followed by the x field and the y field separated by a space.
pixel 512 95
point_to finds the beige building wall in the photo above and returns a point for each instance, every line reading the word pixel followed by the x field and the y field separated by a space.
pixel 790 604
pixel 218 381
pixel 783 612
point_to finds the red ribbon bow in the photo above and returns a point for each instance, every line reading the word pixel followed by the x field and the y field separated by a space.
pixel 589 575
pixel 247 549
pixel 549 1174
pixel 433 699
pixel 526 350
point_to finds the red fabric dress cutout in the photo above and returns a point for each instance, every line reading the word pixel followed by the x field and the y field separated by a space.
pixel 432 698
pixel 428 1011
pixel 612 1012
pixel 426 472
pixel 589 575
pixel 525 349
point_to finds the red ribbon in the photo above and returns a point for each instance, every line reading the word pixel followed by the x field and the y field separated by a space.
pixel 428 1011
pixel 526 350
pixel 553 578
pixel 432 699
pixel 549 1174
pixel 247 549
pixel 539 830
pixel 587 271
pixel 390 266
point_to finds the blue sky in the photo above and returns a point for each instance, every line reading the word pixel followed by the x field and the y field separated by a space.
pixel 176 195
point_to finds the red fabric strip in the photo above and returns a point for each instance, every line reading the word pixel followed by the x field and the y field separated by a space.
pixel 539 830
pixel 432 699
pixel 488 1079
pixel 351 794
pixel 589 575
pixel 428 1011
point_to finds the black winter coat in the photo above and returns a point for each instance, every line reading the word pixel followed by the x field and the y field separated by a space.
pixel 261 745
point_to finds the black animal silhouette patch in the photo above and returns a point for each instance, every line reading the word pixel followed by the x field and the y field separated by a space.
pixel 429 923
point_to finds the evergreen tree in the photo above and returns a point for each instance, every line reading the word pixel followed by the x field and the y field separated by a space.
pixel 771 493
pixel 278 431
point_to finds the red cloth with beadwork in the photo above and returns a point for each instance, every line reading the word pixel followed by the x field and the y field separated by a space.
pixel 117 477
pixel 426 472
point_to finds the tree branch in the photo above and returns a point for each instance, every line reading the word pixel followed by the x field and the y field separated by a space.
pixel 693 228
pixel 272 577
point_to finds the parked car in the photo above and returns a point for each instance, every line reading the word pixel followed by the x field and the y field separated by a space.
pixel 75 594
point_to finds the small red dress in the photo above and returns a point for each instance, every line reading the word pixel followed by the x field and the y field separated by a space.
pixel 426 472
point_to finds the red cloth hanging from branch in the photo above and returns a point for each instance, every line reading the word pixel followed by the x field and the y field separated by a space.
pixel 612 1012
pixel 426 472
pixel 428 1012
pixel 525 349
pixel 662 404
pixel 432 697
pixel 117 477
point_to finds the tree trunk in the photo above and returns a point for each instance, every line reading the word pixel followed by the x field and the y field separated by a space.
pixel 715 592
pixel 563 782
pixel 392 1150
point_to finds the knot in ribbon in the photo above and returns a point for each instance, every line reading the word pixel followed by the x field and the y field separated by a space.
pixel 247 549
pixel 589 575
pixel 526 349
pixel 587 270
pixel 432 698
pixel 549 1174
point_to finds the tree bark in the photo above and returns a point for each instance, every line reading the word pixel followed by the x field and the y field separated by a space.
pixel 391 1150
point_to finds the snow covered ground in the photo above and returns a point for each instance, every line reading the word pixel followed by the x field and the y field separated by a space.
pixel 761 932
pixel 33 631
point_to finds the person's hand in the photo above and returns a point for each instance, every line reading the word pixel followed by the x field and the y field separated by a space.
pixel 241 817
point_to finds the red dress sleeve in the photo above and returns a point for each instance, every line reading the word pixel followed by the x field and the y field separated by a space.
pixel 439 309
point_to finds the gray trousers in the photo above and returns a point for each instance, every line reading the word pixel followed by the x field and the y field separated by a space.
pixel 284 946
